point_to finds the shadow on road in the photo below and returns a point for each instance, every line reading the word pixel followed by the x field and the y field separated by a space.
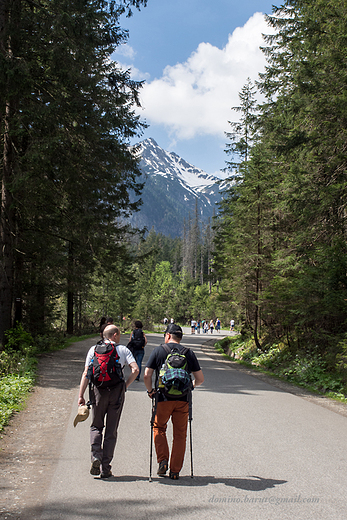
pixel 110 508
pixel 89 506
pixel 63 369
pixel 249 483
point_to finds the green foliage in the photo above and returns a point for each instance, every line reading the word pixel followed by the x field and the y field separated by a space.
pixel 14 362
pixel 19 354
pixel 201 302
pixel 17 372
pixel 154 286
pixel 281 236
pixel 67 169
pixel 18 363
pixel 20 340
pixel 178 303
pixel 48 342
pixel 341 358
pixel 243 131
pixel 224 345
pixel 162 287
pixel 13 391
pixel 310 371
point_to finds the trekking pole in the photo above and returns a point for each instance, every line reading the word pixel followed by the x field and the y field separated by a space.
pixel 151 455
pixel 190 418
pixel 154 409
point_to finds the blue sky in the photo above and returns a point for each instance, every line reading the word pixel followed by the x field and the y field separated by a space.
pixel 195 56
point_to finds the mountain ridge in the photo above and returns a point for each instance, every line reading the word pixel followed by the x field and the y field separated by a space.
pixel 172 187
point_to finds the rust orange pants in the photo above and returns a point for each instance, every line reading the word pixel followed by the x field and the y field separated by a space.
pixel 178 411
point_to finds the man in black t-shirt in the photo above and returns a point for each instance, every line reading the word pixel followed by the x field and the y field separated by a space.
pixel 177 409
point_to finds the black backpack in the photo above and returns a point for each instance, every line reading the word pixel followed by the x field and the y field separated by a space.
pixel 174 379
pixel 105 371
pixel 137 342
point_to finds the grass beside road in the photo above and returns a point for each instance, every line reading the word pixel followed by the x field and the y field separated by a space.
pixel 18 367
pixel 310 371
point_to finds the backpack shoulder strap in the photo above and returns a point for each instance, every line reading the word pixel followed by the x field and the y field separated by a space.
pixel 100 342
pixel 116 353
pixel 166 348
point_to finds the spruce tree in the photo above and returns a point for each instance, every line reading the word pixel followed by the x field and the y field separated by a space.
pixel 282 237
pixel 66 117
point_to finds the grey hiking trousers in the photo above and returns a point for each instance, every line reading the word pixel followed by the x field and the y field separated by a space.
pixel 109 404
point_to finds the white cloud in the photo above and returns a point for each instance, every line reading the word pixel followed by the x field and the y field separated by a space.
pixel 136 74
pixel 195 97
pixel 125 50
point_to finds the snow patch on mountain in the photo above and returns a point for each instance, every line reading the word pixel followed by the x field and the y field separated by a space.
pixel 173 190
pixel 169 164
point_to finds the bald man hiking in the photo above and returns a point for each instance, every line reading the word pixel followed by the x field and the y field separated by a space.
pixel 104 371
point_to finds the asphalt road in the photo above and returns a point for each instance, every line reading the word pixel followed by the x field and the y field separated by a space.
pixel 260 453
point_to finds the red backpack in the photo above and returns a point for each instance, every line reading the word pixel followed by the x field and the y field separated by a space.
pixel 106 370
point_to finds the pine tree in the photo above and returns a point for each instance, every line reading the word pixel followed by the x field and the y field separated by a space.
pixel 66 117
pixel 243 132
pixel 306 125
pixel 241 226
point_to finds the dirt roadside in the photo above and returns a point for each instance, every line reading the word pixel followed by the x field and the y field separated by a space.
pixel 30 446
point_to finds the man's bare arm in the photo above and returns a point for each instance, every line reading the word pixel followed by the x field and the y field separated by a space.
pixel 134 373
pixel 198 378
pixel 83 386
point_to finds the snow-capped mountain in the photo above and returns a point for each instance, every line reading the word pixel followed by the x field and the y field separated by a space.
pixel 172 186
pixel 157 161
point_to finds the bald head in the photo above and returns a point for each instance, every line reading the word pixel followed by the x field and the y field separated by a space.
pixel 110 331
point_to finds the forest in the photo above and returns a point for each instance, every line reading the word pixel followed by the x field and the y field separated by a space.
pixel 274 256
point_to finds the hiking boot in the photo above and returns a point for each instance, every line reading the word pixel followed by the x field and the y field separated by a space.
pixel 107 474
pixel 95 467
pixel 162 469
pixel 174 476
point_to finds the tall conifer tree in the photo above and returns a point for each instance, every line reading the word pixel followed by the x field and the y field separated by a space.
pixel 66 117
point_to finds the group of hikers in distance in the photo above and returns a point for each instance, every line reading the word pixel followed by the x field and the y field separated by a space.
pixel 205 326
pixel 196 326
pixel 172 366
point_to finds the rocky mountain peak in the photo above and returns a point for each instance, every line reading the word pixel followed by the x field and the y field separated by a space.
pixel 172 188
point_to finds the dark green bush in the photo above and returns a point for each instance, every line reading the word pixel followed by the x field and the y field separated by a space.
pixel 21 341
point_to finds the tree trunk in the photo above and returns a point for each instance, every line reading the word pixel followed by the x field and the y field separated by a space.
pixel 257 276
pixel 6 231
pixel 7 110
pixel 70 294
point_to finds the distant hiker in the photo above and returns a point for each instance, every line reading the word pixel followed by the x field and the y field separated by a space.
pixel 205 327
pixel 109 321
pixel 137 344
pixel 165 321
pixel 172 320
pixel 198 325
pixel 104 368
pixel 102 322
pixel 169 404
pixel 232 323
pixel 192 326
pixel 211 326
pixel 218 325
